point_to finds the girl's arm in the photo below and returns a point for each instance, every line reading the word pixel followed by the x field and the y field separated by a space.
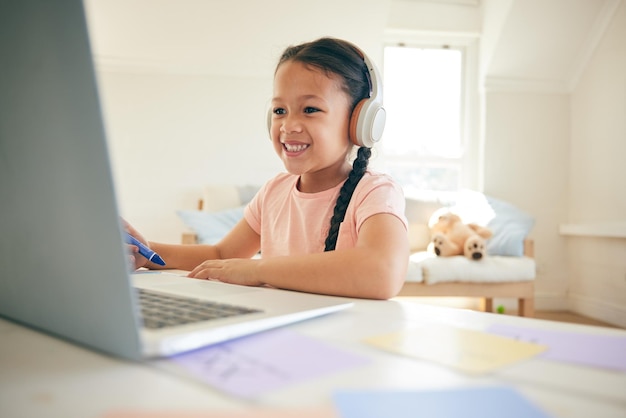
pixel 240 242
pixel 375 268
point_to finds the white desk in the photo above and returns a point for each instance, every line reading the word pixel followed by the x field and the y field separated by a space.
pixel 41 376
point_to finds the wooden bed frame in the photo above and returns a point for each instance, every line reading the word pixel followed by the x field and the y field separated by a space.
pixel 524 291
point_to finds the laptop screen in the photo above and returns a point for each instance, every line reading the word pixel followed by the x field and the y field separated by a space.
pixel 63 262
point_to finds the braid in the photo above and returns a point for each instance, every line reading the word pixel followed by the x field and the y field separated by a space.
pixel 358 170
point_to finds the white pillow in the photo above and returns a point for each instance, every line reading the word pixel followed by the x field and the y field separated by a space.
pixel 510 227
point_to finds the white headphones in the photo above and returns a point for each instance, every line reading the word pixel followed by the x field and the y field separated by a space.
pixel 368 117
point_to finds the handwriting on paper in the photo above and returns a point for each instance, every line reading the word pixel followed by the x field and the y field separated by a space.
pixel 250 366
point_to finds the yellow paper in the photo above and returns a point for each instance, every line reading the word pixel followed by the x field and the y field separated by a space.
pixel 467 350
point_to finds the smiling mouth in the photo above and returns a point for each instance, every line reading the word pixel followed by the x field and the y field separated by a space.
pixel 295 147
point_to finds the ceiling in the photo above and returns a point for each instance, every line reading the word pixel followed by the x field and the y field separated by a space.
pixel 547 43
pixel 226 37
pixel 540 43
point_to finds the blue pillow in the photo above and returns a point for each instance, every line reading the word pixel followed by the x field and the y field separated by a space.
pixel 510 226
pixel 211 227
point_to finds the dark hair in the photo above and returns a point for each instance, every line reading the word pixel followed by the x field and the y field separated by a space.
pixel 338 57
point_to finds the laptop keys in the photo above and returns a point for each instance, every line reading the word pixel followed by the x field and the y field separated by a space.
pixel 159 310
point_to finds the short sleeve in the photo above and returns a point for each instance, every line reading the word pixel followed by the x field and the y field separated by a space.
pixel 252 211
pixel 376 194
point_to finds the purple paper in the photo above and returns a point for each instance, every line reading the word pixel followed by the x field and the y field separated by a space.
pixel 250 366
pixel 604 351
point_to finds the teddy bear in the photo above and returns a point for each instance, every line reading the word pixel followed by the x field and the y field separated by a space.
pixel 450 236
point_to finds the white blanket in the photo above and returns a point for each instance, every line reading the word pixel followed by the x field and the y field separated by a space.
pixel 427 267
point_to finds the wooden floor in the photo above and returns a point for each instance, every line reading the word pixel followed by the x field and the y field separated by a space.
pixel 565 316
pixel 561 316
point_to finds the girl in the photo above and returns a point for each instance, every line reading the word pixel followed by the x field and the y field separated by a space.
pixel 326 226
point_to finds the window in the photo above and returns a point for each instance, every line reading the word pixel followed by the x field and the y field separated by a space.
pixel 429 143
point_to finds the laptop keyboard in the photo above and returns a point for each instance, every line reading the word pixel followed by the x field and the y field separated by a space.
pixel 160 310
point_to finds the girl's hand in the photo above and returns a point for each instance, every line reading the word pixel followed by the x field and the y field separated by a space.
pixel 135 260
pixel 234 271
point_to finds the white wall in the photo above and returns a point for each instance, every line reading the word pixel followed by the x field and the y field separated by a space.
pixel 597 173
pixel 171 134
pixel 560 157
pixel 526 163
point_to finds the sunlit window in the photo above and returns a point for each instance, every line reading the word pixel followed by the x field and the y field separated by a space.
pixel 423 144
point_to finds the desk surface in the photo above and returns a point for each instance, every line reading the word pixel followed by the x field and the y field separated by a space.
pixel 41 376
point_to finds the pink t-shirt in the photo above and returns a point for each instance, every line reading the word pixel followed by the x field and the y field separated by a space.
pixel 291 222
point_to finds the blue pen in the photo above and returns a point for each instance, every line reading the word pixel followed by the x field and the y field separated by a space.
pixel 145 251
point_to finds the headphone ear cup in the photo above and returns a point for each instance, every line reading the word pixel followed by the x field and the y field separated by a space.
pixel 353 133
pixel 367 123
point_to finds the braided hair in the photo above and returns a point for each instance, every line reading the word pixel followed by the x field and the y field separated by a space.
pixel 358 170
pixel 338 57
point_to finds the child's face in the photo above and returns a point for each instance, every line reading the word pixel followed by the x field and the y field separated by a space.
pixel 309 129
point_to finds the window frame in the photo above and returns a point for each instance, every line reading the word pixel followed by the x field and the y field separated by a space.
pixel 470 163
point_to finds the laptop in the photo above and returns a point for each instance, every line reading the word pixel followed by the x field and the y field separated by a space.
pixel 62 252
